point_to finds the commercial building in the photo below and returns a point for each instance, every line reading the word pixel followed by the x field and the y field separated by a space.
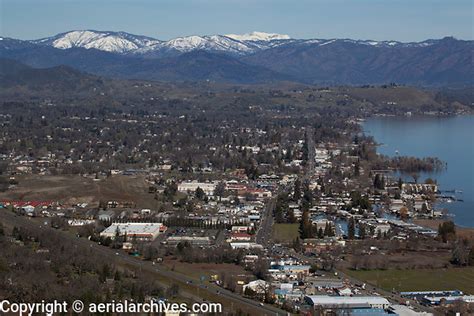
pixel 344 302
pixel 245 245
pixel 192 240
pixel 141 231
pixel 191 186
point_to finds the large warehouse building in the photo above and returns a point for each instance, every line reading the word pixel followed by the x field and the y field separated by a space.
pixel 141 231
pixel 344 302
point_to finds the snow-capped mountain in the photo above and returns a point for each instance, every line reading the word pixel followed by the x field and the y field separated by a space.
pixel 125 43
pixel 114 42
pixel 233 44
pixel 208 43
pixel 258 36
pixel 253 57
pixel 323 42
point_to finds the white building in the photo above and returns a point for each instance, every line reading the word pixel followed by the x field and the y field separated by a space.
pixel 347 302
pixel 245 245
pixel 257 286
pixel 191 186
pixel 142 231
pixel 193 240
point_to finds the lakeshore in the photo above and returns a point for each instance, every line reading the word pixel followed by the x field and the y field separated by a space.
pixel 447 138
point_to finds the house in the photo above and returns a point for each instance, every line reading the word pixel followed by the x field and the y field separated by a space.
pixel 258 193
pixel 240 229
pixel 106 216
pixel 344 291
pixel 240 237
pixel 29 210
pixel 257 286
pixel 80 222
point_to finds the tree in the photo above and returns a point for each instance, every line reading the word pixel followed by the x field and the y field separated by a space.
pixel 403 212
pixel 306 227
pixel 261 269
pixel 291 217
pixel 297 190
pixel 219 190
pixel 356 169
pixel 297 244
pixel 447 231
pixel 327 229
pixel 170 191
pixel 362 231
pixel 424 208
pixel 320 233
pixel 199 194
pixel 377 182
pixel 351 228
pixel 461 252
pixel 249 292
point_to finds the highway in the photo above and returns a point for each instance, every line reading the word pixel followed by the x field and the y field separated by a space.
pixel 121 257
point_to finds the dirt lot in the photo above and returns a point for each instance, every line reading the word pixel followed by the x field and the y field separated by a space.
pixel 78 189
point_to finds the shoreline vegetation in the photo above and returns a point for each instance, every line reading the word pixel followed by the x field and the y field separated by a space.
pixel 461 231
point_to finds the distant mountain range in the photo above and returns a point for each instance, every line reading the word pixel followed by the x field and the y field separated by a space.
pixel 251 58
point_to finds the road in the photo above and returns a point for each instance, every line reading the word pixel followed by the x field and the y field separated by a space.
pixel 121 257
pixel 264 233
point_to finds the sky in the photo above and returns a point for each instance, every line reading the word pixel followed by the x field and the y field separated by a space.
pixel 402 20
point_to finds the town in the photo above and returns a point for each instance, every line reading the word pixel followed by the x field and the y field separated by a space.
pixel 288 209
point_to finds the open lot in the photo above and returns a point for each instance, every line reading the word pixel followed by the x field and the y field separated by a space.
pixel 285 232
pixel 419 279
pixel 70 189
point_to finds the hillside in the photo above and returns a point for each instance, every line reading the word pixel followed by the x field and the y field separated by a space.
pixel 252 58
pixel 58 79
pixel 445 62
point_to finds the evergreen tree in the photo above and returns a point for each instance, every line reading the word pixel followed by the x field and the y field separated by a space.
pixel 199 194
pixel 351 228
pixel 362 232
pixel 320 233
pixel 297 190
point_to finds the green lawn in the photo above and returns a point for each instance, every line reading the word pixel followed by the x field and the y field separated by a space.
pixel 419 279
pixel 285 232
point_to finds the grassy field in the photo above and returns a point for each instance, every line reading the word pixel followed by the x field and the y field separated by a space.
pixel 285 232
pixel 419 279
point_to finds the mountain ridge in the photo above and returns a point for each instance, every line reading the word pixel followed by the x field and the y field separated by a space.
pixel 124 42
pixel 260 57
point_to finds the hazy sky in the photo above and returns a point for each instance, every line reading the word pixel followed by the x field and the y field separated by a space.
pixel 404 20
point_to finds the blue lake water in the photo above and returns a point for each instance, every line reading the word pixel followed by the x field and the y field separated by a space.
pixel 450 139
